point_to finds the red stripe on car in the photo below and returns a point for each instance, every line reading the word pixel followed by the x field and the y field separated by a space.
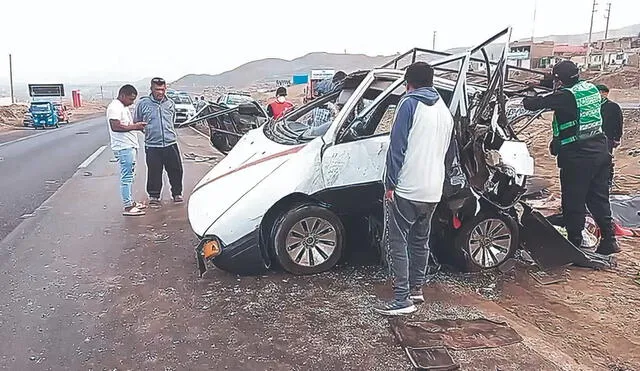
pixel 264 159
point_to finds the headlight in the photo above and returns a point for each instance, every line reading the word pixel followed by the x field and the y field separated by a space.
pixel 210 248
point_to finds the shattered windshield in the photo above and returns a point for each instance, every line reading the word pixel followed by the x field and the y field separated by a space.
pixel 305 123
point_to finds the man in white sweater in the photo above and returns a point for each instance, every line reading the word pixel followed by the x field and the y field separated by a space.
pixel 414 180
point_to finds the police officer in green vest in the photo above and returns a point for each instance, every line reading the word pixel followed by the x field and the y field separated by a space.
pixel 582 153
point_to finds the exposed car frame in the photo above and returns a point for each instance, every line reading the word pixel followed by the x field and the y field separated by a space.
pixel 279 199
pixel 227 124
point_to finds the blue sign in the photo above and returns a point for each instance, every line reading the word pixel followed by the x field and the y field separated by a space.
pixel 299 79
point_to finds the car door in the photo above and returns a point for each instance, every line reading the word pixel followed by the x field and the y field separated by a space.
pixel 356 154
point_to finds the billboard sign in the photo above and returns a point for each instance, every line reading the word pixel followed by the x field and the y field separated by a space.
pixel 322 74
pixel 518 55
pixel 283 82
pixel 46 90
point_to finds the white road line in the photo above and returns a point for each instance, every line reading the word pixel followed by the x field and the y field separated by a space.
pixel 92 157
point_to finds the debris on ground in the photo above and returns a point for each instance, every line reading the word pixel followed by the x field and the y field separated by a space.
pixel 457 334
pixel 427 343
pixel 199 158
pixel 549 277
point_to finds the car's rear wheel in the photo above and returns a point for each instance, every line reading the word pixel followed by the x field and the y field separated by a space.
pixel 487 240
pixel 308 239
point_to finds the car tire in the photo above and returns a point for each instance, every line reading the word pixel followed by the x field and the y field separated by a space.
pixel 219 141
pixel 487 241
pixel 308 239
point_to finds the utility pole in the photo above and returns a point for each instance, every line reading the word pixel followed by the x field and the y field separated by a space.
pixel 101 93
pixel 13 100
pixel 533 26
pixel 433 44
pixel 588 57
pixel 606 34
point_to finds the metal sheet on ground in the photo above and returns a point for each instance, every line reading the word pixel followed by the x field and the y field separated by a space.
pixel 549 249
pixel 432 359
pixel 454 334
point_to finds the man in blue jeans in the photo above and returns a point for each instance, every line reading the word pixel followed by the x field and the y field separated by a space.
pixel 414 182
pixel 124 143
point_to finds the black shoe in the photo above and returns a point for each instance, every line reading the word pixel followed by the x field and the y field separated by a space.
pixel 416 295
pixel 396 308
pixel 608 247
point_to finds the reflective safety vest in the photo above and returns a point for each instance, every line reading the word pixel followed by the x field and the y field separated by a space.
pixel 589 122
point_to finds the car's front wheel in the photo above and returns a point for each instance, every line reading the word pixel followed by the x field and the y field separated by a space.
pixel 308 239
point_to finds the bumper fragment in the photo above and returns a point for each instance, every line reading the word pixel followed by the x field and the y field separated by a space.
pixel 242 257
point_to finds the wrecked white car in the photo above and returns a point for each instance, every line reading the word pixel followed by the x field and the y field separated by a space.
pixel 296 194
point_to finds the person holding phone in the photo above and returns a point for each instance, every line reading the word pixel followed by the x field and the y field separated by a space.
pixel 124 144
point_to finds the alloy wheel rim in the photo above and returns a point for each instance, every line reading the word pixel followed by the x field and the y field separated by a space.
pixel 311 241
pixel 489 243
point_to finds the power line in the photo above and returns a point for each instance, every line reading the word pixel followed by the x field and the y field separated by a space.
pixel 533 26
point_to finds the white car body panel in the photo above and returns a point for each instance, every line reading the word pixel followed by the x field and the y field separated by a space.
pixel 516 154
pixel 355 162
pixel 248 182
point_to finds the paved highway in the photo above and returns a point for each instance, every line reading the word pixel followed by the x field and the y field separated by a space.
pixel 34 164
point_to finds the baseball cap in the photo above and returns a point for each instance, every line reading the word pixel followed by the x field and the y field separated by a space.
pixel 566 71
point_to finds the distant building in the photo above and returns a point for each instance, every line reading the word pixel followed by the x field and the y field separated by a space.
pixel 574 53
pixel 530 55
pixel 614 52
pixel 620 43
pixel 617 52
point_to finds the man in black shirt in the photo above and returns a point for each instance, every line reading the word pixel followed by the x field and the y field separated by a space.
pixel 611 123
pixel 582 153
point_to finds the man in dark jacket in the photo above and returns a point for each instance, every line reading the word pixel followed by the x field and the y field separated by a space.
pixel 161 142
pixel 611 123
pixel 583 156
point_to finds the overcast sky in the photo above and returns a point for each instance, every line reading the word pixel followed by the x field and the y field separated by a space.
pixel 99 41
